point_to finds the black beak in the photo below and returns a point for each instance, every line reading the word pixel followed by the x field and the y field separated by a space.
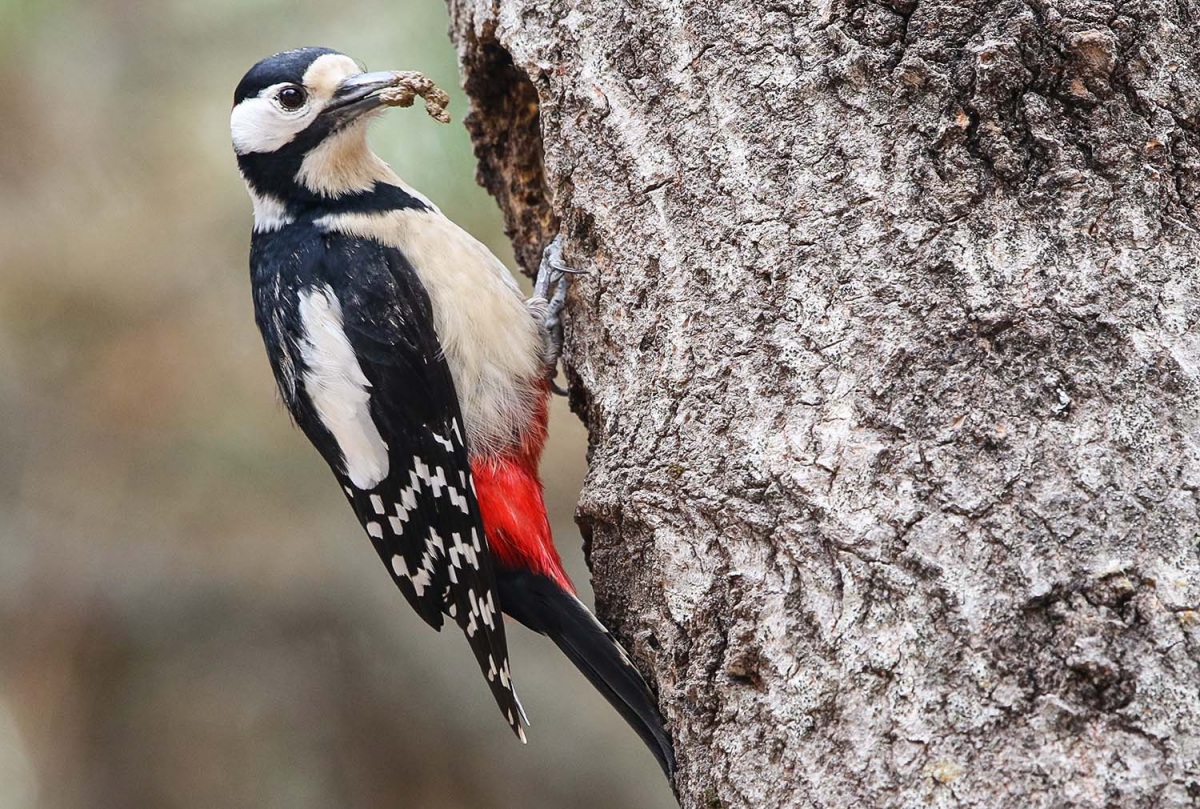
pixel 358 94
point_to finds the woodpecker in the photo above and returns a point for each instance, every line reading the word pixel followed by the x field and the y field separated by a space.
pixel 406 354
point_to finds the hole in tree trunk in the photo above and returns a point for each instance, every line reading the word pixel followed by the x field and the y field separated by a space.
pixel 505 128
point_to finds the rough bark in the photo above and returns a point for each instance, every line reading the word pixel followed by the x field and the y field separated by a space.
pixel 889 363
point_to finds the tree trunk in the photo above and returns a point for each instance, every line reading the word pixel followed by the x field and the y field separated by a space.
pixel 889 362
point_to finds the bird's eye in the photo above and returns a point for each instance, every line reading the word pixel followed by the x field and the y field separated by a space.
pixel 292 98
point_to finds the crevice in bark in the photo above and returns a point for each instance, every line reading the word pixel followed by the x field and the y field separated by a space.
pixel 505 127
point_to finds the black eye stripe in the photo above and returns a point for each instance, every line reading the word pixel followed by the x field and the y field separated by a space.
pixel 292 98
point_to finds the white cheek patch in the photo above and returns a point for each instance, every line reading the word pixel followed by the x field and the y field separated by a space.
pixel 258 125
pixel 338 389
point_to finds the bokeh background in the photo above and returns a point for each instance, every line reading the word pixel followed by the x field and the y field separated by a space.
pixel 189 615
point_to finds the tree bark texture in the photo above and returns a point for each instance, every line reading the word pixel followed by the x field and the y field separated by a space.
pixel 889 359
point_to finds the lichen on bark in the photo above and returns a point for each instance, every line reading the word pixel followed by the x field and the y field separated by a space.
pixel 888 356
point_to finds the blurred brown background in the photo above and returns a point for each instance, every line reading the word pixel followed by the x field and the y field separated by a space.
pixel 189 615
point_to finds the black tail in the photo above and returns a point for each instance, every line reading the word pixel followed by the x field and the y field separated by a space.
pixel 540 604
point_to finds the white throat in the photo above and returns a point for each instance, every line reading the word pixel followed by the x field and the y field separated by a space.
pixel 344 164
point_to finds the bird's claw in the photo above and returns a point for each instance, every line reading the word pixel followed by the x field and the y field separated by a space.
pixel 552 270
pixel 553 281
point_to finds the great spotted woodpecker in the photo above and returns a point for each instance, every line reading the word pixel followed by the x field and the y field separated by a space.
pixel 405 353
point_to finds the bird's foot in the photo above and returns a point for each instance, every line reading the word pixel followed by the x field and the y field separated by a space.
pixel 550 291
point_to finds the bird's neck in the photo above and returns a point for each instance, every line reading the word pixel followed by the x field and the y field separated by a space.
pixel 343 164
pixel 338 175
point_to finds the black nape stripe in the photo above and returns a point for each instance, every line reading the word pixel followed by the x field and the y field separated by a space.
pixel 273 174
pixel 383 197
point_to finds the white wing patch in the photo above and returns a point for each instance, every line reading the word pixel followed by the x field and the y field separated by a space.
pixel 339 390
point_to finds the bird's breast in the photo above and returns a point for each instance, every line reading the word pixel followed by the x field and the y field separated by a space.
pixel 488 335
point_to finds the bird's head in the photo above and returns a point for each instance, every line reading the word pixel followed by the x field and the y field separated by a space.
pixel 299 126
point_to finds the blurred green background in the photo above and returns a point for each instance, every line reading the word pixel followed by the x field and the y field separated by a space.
pixel 189 614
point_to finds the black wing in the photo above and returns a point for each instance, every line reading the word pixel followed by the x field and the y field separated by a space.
pixel 422 517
